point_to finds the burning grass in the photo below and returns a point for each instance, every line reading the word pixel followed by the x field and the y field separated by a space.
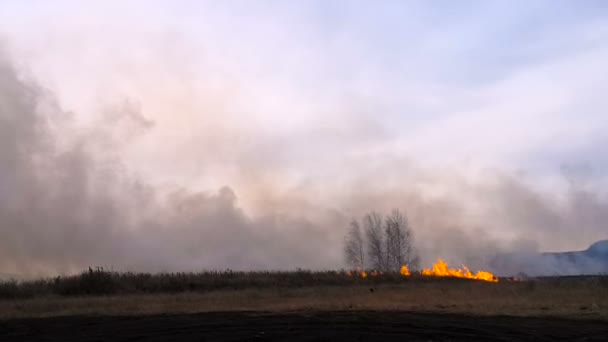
pixel 441 269
pixel 101 282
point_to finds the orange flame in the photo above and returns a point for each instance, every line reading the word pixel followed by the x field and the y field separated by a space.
pixel 405 271
pixel 361 272
pixel 358 272
pixel 440 269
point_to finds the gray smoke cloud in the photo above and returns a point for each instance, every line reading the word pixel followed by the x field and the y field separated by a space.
pixel 66 205
pixel 68 201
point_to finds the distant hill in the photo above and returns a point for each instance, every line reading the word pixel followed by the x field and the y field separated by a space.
pixel 593 260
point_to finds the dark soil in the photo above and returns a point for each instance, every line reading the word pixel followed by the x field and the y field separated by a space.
pixel 302 326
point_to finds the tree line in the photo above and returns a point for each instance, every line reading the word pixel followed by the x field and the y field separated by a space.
pixel 381 243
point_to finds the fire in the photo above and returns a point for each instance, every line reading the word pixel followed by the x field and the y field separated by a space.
pixel 359 272
pixel 440 269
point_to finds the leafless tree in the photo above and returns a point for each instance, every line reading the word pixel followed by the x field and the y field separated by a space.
pixel 353 246
pixel 399 242
pixel 375 241
pixel 389 243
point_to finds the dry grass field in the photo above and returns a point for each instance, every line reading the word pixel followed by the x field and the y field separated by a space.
pixel 574 297
pixel 301 306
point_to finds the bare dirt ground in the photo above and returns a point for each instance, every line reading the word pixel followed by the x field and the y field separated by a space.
pixel 302 326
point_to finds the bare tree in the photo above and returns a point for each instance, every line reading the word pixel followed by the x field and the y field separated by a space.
pixel 375 240
pixel 399 242
pixel 389 243
pixel 353 246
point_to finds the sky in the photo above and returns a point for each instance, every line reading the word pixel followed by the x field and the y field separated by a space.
pixel 247 134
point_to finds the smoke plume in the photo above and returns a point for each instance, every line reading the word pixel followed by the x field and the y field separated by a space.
pixel 171 182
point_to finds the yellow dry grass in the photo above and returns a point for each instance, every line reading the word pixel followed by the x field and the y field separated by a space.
pixel 575 300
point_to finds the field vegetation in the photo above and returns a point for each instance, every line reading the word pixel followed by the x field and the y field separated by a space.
pixel 99 292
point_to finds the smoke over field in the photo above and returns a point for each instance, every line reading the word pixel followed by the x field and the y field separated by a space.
pixel 251 144
pixel 68 200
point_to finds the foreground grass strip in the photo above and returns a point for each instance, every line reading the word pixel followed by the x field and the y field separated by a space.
pixel 582 299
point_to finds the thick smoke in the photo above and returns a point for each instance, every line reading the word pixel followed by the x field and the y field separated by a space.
pixel 67 201
pixel 502 223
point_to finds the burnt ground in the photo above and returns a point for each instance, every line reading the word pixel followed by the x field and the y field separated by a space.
pixel 302 326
